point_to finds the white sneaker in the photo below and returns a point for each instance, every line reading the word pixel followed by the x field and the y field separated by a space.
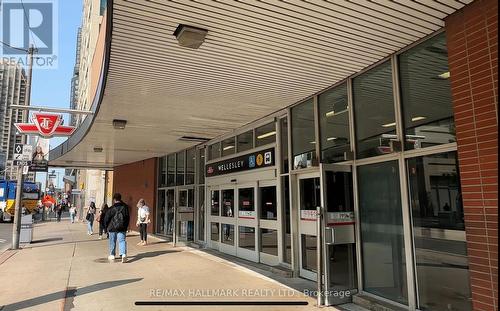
pixel 111 257
pixel 100 237
pixel 124 258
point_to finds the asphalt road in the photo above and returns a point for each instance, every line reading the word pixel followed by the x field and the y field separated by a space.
pixel 5 236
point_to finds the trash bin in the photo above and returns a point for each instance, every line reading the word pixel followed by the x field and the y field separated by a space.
pixel 26 235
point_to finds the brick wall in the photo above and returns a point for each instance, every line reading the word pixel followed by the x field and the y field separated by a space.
pixel 472 35
pixel 134 181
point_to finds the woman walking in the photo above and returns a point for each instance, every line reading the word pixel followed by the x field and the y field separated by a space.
pixel 142 221
pixel 100 220
pixel 72 212
pixel 90 218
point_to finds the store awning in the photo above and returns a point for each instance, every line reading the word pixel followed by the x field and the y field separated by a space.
pixel 257 57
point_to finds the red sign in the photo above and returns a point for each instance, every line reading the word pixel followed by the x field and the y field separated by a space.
pixel 46 125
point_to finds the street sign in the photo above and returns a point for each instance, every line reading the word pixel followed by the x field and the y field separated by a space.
pixel 45 125
pixel 18 151
pixel 22 163
pixel 27 152
pixel 22 154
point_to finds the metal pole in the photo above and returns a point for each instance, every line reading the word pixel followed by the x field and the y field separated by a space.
pixel 16 229
pixel 319 253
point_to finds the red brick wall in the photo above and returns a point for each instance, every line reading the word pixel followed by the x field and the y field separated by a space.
pixel 472 35
pixel 134 181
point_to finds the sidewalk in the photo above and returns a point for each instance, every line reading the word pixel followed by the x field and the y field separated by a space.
pixel 65 269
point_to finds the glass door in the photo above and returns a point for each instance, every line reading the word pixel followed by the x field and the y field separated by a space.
pixel 309 194
pixel 269 214
pixel 228 220
pixel 185 215
pixel 170 213
pixel 214 203
pixel 247 222
pixel 160 212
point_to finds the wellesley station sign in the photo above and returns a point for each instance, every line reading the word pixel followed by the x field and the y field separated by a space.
pixel 255 160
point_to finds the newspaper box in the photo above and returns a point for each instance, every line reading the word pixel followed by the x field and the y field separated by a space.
pixel 26 229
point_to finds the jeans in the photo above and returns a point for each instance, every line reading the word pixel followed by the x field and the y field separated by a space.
pixel 143 228
pixel 72 216
pixel 122 244
pixel 90 226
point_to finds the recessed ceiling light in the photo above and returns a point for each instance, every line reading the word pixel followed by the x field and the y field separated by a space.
pixel 189 36
pixel 414 119
pixel 266 135
pixel 331 138
pixel 312 142
pixel 228 148
pixel 389 124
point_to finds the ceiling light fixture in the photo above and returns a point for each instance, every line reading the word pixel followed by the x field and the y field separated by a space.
pixel 266 135
pixel 414 119
pixel 228 148
pixel 389 124
pixel 330 114
pixel 444 75
pixel 189 36
pixel 119 124
pixel 331 138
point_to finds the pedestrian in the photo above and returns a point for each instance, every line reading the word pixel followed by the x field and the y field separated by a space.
pixel 100 220
pixel 143 221
pixel 72 212
pixel 59 212
pixel 116 222
pixel 90 218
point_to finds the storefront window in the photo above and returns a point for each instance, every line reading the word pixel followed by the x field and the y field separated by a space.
pixel 246 207
pixel 162 171
pixel 180 168
pixel 284 145
pixel 309 252
pixel 228 234
pixel 268 208
pixel 247 238
pixel 334 124
pixel 287 219
pixel 228 146
pixel 426 94
pixel 381 224
pixel 374 111
pixel 214 231
pixel 303 136
pixel 201 166
pixel 201 213
pixel 265 135
pixel 214 151
pixel 215 206
pixel 245 141
pixel 228 203
pixel 439 232
pixel 190 164
pixel 269 241
pixel 171 170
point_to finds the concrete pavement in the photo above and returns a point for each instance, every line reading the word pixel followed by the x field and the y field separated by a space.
pixel 65 269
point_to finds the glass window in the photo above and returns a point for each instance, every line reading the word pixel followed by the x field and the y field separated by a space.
pixel 183 198
pixel 288 220
pixel 374 111
pixel 214 151
pixel 214 231
pixel 201 213
pixel 228 146
pixel 303 137
pixel 381 225
pixel 215 206
pixel 265 135
pixel 247 238
pixel 269 241
pixel 171 170
pixel 201 166
pixel 309 252
pixel 228 234
pixel 180 168
pixel 334 124
pixel 170 211
pixel 228 203
pixel 439 232
pixel 190 163
pixel 245 141
pixel 426 94
pixel 246 206
pixel 160 219
pixel 162 171
pixel 268 208
pixel 284 145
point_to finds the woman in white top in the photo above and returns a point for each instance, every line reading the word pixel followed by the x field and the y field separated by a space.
pixel 143 221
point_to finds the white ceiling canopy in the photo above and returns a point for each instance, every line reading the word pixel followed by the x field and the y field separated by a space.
pixel 257 57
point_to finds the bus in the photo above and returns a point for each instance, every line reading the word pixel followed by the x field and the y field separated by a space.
pixel 31 196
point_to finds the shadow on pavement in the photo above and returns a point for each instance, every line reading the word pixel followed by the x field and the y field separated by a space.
pixel 150 255
pixel 68 295
pixel 46 240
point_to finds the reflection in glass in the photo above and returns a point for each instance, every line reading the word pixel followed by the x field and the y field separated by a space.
pixel 246 207
pixel 343 271
pixel 381 224
pixel 228 203
pixel 287 219
pixel 183 200
pixel 171 170
pixel 201 213
pixel 439 232
pixel 245 141
pixel 247 238
pixel 214 151
pixel 162 171
pixel 190 163
pixel 303 136
pixel 309 252
pixel 180 168
pixel 214 231
pixel 284 145
pixel 228 234
pixel 215 204
pixel 339 192
pixel 170 211
pixel 228 146
pixel 160 219
pixel 269 241
pixel 201 166
pixel 265 135
pixel 426 94
pixel 268 208
pixel 374 111
pixel 334 124
pixel 310 194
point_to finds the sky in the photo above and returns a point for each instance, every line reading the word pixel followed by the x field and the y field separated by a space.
pixel 52 87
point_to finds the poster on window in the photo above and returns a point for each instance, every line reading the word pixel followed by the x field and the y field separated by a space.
pixel 40 159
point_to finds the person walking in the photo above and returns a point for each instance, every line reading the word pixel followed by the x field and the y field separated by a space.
pixel 72 212
pixel 90 218
pixel 143 221
pixel 116 221
pixel 59 211
pixel 100 220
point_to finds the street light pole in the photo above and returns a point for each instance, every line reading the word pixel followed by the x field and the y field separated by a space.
pixel 16 229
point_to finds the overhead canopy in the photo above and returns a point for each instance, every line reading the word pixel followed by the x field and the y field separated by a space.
pixel 258 57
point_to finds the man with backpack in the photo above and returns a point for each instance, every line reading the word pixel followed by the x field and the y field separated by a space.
pixel 116 220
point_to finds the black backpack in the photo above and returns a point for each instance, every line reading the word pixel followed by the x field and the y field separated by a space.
pixel 118 220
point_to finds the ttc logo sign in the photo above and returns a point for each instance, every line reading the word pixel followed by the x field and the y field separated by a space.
pixel 45 125
pixel 29 22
